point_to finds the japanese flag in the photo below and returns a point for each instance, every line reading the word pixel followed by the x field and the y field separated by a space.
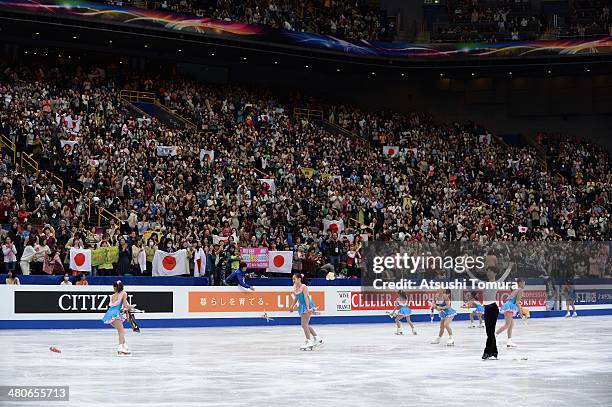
pixel 390 151
pixel 207 156
pixel 280 261
pixel 412 152
pixel 334 226
pixel 485 138
pixel 522 229
pixel 76 126
pixel 268 184
pixel 80 259
pixel 170 264
pixel 68 121
pixel 68 146
pixel 199 263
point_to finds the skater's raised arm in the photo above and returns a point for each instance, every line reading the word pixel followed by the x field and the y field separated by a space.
pixel 506 273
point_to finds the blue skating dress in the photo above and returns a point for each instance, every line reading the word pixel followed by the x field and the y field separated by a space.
pixel 404 309
pixel 510 305
pixel 446 313
pixel 299 294
pixel 114 310
pixel 478 308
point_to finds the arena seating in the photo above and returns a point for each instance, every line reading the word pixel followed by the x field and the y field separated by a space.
pixel 82 167
pixel 359 19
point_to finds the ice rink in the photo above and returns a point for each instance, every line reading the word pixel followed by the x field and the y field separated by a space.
pixel 569 363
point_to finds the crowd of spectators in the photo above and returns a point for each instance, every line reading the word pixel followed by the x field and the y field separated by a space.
pixel 351 19
pixel 439 182
pixel 590 18
pixel 488 21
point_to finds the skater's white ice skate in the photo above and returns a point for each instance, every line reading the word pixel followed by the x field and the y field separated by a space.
pixel 308 345
pixel 510 344
pixel 318 341
pixel 567 315
pixel 472 325
pixel 575 315
pixel 435 341
pixel 481 325
pixel 414 332
pixel 450 342
pixel 122 350
pixel 399 331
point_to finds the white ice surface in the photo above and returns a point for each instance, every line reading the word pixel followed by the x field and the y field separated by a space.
pixel 569 363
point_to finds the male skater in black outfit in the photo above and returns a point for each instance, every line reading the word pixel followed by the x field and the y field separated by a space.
pixel 490 315
pixel 489 297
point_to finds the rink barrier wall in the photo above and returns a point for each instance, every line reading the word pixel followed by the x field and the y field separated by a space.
pixel 73 307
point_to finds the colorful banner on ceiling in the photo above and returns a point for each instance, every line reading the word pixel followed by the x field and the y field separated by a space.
pixel 137 17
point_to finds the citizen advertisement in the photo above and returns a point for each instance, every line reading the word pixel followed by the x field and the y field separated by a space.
pixel 87 302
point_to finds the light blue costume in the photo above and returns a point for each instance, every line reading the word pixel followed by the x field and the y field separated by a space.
pixel 299 295
pixel 446 313
pixel 404 309
pixel 510 305
pixel 114 310
pixel 478 308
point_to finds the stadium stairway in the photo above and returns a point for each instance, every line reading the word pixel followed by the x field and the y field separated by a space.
pixel 146 104
pixel 96 216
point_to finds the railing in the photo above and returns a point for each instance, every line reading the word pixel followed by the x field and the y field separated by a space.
pixel 106 215
pixel 308 114
pixel 148 97
pixel 541 152
pixel 8 143
pixel 349 133
pixel 137 96
pixel 353 221
pixel 185 121
pixel 260 172
pixel 27 161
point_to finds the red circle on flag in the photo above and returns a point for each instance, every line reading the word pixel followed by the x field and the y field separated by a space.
pixel 207 157
pixel 278 261
pixel 334 228
pixel 79 259
pixel 391 151
pixel 265 185
pixel 169 262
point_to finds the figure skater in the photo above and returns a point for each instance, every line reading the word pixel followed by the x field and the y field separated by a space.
pixel 115 315
pixel 570 298
pixel 306 309
pixel 511 307
pixel 447 313
pixel 401 303
pixel 491 311
pixel 478 310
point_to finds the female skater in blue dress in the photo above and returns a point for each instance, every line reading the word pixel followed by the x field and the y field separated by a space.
pixel 570 298
pixel 511 307
pixel 306 309
pixel 115 317
pixel 404 312
pixel 478 309
pixel 447 313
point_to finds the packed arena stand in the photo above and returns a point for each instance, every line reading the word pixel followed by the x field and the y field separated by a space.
pixel 351 19
pixel 487 21
pixel 250 173
pixel 589 18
